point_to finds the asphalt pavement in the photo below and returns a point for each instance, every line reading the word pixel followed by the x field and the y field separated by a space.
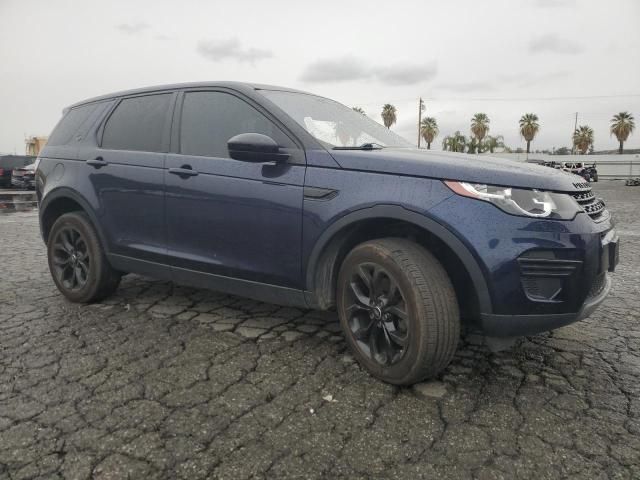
pixel 162 381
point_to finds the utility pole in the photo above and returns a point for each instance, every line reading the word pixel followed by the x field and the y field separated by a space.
pixel 575 127
pixel 420 109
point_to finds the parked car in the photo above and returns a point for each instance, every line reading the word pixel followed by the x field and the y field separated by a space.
pixel 545 163
pixel 295 199
pixel 536 161
pixel 8 163
pixel 24 177
pixel 571 166
pixel 5 177
pixel 589 173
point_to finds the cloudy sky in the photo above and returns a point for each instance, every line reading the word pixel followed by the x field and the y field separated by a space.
pixel 505 58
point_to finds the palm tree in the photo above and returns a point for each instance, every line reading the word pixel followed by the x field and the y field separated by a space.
pixel 389 115
pixel 529 127
pixel 494 142
pixel 455 142
pixel 479 127
pixel 622 124
pixel 341 131
pixel 473 145
pixel 583 138
pixel 359 110
pixel 429 130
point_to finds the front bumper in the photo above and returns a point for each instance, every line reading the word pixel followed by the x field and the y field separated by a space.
pixel 541 274
pixel 518 325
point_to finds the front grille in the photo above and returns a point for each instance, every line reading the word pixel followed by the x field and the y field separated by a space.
pixel 593 206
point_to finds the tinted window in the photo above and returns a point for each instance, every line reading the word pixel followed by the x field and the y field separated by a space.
pixel 210 119
pixel 70 124
pixel 137 124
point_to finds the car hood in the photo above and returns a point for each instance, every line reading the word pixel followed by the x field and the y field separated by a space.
pixel 457 166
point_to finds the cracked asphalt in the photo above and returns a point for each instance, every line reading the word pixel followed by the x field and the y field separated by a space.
pixel 162 381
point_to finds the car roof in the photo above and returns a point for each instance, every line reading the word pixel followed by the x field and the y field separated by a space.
pixel 175 86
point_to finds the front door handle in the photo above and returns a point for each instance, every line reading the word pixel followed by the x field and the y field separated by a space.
pixel 97 162
pixel 184 171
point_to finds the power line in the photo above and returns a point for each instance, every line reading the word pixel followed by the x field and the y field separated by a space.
pixel 513 99
pixel 506 99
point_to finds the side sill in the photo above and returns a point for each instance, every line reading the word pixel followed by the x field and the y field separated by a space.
pixel 233 286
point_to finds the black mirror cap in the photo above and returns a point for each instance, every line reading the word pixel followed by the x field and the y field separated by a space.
pixel 255 147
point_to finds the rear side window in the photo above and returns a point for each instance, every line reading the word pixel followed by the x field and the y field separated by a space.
pixel 71 123
pixel 210 119
pixel 137 124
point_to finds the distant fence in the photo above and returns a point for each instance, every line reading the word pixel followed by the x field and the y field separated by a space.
pixel 609 166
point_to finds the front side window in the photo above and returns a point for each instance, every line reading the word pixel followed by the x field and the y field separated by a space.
pixel 210 119
pixel 137 124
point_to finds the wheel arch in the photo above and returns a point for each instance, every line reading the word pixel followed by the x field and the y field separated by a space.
pixel 64 200
pixel 393 220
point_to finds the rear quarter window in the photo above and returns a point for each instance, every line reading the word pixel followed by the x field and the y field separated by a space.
pixel 72 123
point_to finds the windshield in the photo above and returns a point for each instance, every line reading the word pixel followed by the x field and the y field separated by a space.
pixel 332 123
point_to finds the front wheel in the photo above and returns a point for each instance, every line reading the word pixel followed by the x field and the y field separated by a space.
pixel 398 310
pixel 77 263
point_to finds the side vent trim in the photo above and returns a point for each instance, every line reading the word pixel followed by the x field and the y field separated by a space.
pixel 317 193
pixel 543 267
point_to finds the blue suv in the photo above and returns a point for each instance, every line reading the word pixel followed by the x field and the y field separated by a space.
pixel 295 199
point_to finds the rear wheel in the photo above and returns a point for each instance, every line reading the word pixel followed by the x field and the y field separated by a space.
pixel 77 263
pixel 398 310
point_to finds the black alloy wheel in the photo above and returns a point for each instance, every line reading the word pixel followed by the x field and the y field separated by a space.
pixel 378 317
pixel 77 262
pixel 71 259
pixel 398 310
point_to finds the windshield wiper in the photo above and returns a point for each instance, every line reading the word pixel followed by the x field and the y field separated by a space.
pixel 364 146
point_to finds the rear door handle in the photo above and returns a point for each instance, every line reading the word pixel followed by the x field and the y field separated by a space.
pixel 184 171
pixel 97 162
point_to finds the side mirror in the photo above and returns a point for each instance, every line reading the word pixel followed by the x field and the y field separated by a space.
pixel 256 148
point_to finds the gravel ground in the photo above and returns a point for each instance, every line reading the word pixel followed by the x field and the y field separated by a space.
pixel 162 381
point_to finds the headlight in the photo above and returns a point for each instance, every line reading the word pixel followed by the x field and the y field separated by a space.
pixel 517 201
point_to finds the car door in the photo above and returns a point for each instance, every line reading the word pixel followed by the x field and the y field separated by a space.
pixel 126 176
pixel 225 217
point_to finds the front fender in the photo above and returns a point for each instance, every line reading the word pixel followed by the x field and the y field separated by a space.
pixel 397 212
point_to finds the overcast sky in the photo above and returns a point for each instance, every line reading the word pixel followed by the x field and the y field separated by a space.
pixel 504 58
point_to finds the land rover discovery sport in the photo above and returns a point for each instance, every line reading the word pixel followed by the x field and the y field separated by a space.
pixel 291 198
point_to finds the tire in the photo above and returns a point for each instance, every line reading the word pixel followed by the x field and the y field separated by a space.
pixel 77 262
pixel 415 332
